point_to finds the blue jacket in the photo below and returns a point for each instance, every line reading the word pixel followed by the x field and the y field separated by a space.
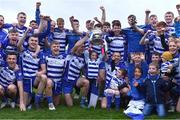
pixel 155 89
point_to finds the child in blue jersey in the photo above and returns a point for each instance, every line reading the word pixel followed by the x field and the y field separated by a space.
pixel 55 64
pixel 72 78
pixel 92 60
pixel 115 85
pixel 136 103
pixel 137 61
pixel 155 88
pixel 33 69
pixel 92 64
pixel 10 79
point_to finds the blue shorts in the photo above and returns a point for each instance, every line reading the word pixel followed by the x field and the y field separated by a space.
pixel 68 86
pixel 57 88
pixel 28 84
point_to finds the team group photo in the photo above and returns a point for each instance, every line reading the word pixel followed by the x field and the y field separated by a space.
pixel 100 69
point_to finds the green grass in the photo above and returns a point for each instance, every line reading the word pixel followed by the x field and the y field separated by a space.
pixel 63 112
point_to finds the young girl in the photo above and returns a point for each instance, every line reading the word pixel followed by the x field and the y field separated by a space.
pixel 92 64
pixel 114 86
pixel 136 103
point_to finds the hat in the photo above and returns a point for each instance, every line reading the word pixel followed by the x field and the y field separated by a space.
pixel 167 55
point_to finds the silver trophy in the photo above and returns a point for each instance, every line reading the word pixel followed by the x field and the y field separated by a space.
pixel 96 37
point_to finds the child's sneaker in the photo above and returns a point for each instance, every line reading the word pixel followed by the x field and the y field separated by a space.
pixel 83 103
pixel 51 106
pixel 171 109
pixel 29 107
pixel 3 104
pixel 12 104
pixel 76 96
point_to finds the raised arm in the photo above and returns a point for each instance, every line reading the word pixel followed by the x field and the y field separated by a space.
pixel 37 13
pixel 103 18
pixel 71 19
pixel 143 40
pixel 178 8
pixel 97 20
pixel 163 42
pixel 43 23
pixel 136 28
pixel 21 41
pixel 147 12
pixel 43 34
pixel 79 43
pixel 132 22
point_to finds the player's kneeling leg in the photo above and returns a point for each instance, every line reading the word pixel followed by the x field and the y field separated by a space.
pixel 67 90
pixel 12 91
pixel 49 87
pixel 3 97
pixel 84 84
pixel 40 82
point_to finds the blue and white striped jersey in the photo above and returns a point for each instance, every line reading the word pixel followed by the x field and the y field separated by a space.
pixel 164 66
pixel 117 44
pixel 29 64
pixel 2 59
pixel 96 48
pixel 21 30
pixel 8 47
pixel 55 67
pixel 156 40
pixel 113 82
pixel 171 29
pixel 3 34
pixel 93 69
pixel 73 68
pixel 8 76
pixel 60 36
pixel 92 65
pixel 119 65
